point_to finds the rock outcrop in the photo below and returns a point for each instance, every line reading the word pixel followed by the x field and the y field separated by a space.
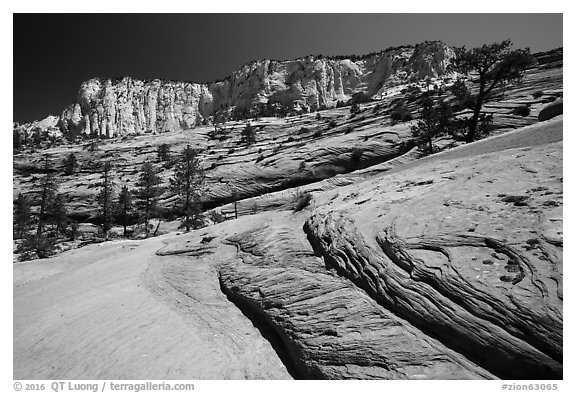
pixel 330 328
pixel 551 110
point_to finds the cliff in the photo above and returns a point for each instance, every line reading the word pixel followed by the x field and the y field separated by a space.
pixel 113 107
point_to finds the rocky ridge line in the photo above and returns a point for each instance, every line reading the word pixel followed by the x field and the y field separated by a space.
pixel 116 107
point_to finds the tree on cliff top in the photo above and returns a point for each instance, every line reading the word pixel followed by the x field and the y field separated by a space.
pixel 494 65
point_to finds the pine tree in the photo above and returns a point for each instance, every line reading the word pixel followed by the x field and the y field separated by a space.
pixel 435 120
pixel 494 65
pixel 48 191
pixel 58 213
pixel 148 192
pixel 187 182
pixel 22 217
pixel 70 163
pixel 248 135
pixel 105 198
pixel 163 152
pixel 124 206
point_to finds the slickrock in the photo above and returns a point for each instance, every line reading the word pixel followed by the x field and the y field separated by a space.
pixel 449 267
pixel 321 324
pixel 469 250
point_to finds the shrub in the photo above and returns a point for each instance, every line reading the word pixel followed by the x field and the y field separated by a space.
pixel 356 154
pixel 301 200
pixel 332 124
pixel 485 124
pixel 400 114
pixel 459 90
pixel 302 130
pixel 359 98
pixel 35 246
pixel 217 217
pixel 348 130
pixel 290 139
pixel 317 134
pixel 522 111
pixel 412 98
pixel 163 152
pixel 538 94
pixel 72 231
pixel 231 150
pixel 396 115
pixel 248 134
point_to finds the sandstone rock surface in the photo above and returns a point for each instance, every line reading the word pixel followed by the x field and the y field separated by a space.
pixel 551 110
pixel 459 254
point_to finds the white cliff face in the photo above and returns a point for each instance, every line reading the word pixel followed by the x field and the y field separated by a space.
pixel 110 108
pixel 131 106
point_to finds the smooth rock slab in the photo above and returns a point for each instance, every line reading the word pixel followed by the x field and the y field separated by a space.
pixel 328 327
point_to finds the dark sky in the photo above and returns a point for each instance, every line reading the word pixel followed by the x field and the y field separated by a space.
pixel 54 53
